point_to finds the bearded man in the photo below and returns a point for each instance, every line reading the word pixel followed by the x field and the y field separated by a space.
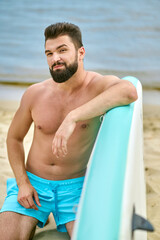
pixel 65 110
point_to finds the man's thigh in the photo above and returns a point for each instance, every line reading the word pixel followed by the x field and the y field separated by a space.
pixel 16 226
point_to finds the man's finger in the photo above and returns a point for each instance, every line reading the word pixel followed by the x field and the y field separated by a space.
pixel 52 147
pixel 64 146
pixel 37 198
pixel 55 147
pixel 32 204
pixel 59 147
pixel 24 203
pixel 58 143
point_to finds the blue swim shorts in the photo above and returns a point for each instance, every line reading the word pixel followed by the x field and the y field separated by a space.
pixel 58 197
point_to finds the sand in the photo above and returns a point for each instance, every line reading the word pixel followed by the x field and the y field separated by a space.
pixel 151 160
pixel 152 166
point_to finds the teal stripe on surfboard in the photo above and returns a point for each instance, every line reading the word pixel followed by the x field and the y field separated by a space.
pixel 99 211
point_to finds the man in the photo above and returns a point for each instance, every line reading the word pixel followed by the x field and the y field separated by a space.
pixel 66 112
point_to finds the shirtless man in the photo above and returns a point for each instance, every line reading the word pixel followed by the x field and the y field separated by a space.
pixel 66 112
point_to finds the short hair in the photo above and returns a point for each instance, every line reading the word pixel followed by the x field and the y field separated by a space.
pixel 64 28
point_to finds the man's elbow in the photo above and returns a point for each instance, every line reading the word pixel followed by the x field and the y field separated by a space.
pixel 12 138
pixel 9 140
pixel 131 92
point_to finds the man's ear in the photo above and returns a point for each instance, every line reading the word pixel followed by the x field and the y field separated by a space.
pixel 81 52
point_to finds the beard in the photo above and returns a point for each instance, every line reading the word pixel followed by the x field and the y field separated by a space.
pixel 62 75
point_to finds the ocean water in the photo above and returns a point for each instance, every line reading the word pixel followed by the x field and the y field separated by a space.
pixel 120 37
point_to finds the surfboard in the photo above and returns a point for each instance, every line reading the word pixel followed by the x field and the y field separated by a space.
pixel 113 195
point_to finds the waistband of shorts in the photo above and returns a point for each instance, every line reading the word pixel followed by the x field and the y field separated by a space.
pixel 60 182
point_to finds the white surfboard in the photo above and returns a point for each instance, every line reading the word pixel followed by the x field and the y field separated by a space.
pixel 114 188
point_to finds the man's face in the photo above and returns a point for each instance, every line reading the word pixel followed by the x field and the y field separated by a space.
pixel 62 58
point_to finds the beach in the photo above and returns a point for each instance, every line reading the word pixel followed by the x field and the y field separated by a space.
pixel 151 116
pixel 152 166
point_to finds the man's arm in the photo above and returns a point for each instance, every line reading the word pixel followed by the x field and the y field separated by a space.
pixel 17 131
pixel 116 92
pixel 120 92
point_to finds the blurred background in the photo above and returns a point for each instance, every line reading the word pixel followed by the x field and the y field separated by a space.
pixel 120 37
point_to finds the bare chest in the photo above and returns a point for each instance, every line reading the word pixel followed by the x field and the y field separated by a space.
pixel 48 116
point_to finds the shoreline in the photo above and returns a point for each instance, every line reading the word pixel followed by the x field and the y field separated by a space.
pixel 29 83
pixel 8 92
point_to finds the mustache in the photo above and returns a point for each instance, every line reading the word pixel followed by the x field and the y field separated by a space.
pixel 57 63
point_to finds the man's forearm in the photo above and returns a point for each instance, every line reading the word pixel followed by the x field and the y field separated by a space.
pixel 17 160
pixel 117 95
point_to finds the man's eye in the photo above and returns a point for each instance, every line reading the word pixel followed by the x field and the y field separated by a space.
pixel 49 54
pixel 62 50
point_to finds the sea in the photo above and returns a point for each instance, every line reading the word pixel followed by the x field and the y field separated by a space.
pixel 121 37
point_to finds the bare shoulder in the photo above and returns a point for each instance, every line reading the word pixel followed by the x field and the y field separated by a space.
pixel 102 82
pixel 38 87
pixel 34 92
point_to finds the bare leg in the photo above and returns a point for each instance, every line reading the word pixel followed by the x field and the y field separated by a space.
pixel 69 227
pixel 16 226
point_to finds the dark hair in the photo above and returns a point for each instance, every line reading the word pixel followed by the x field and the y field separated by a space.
pixel 64 28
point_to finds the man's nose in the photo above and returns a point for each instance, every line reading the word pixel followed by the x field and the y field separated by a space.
pixel 55 58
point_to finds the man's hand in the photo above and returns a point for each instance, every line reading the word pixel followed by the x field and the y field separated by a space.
pixel 59 144
pixel 26 196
